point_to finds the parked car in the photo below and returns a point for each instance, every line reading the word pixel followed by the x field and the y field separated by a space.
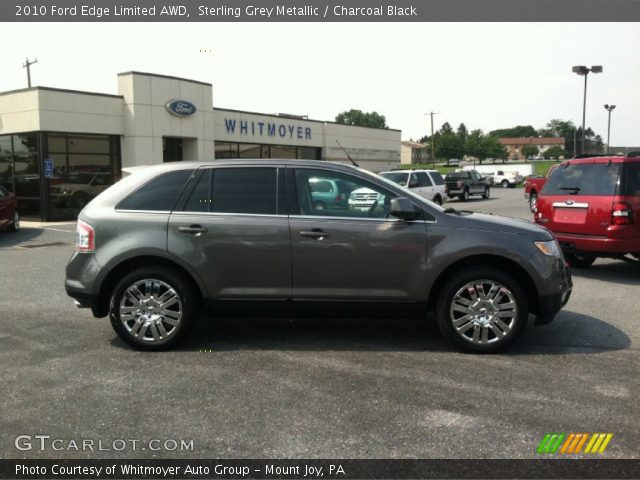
pixel 453 162
pixel 533 185
pixel 507 179
pixel 76 189
pixel 171 240
pixel 463 184
pixel 329 193
pixel 592 205
pixel 9 216
pixel 427 183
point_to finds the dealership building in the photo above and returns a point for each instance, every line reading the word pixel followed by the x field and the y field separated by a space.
pixel 59 148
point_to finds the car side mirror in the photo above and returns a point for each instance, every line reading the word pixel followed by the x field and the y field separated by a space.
pixel 404 209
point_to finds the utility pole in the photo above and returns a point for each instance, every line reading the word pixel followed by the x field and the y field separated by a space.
pixel 433 149
pixel 27 64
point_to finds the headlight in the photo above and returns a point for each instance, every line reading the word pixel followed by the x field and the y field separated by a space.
pixel 550 248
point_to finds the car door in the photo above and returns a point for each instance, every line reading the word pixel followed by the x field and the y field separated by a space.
pixel 426 185
pixel 353 253
pixel 231 226
pixel 476 184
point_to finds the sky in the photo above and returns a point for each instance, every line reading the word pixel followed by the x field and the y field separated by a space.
pixel 487 75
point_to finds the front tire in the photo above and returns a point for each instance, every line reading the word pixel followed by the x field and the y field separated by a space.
pixel 482 310
pixel 152 308
pixel 486 193
pixel 15 225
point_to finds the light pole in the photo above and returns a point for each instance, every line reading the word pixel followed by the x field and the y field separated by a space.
pixel 433 149
pixel 609 108
pixel 582 70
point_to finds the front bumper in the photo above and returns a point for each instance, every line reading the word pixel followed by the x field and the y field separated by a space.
pixel 550 305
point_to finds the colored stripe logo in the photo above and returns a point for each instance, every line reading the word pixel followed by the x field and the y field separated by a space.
pixel 573 443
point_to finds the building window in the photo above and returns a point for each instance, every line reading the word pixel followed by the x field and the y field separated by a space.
pixel 83 166
pixel 255 150
pixel 20 172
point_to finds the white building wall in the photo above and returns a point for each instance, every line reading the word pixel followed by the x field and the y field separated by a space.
pixel 19 112
pixel 146 119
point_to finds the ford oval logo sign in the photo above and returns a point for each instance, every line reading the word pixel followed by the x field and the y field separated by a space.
pixel 181 108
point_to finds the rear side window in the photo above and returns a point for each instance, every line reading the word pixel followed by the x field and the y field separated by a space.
pixel 459 175
pixel 159 194
pixel 423 179
pixel 584 179
pixel 630 183
pixel 245 190
pixel 437 178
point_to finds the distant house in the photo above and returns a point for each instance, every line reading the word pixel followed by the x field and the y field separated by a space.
pixel 515 145
pixel 413 152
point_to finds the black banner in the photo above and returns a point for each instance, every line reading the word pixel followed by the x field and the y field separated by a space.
pixel 315 469
pixel 320 11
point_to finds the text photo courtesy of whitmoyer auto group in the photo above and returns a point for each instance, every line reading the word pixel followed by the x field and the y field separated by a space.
pixel 299 240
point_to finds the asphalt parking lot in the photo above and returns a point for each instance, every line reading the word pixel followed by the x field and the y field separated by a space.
pixel 334 388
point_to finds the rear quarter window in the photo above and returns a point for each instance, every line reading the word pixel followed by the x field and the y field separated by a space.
pixel 437 178
pixel 584 179
pixel 159 194
pixel 630 181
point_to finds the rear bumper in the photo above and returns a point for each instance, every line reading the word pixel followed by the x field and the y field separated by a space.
pixel 585 243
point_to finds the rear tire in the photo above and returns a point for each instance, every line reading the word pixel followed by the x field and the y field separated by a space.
pixel 438 200
pixel 577 260
pixel 533 200
pixel 465 195
pixel 504 184
pixel 482 325
pixel 152 308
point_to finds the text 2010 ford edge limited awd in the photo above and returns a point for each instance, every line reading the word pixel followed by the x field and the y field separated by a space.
pixel 172 240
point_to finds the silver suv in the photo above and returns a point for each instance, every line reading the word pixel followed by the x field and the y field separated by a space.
pixel 172 240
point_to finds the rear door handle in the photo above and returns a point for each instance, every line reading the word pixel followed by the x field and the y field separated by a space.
pixel 193 229
pixel 315 233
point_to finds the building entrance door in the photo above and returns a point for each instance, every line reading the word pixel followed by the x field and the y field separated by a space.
pixel 171 149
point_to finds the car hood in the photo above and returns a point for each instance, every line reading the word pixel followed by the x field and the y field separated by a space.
pixel 497 223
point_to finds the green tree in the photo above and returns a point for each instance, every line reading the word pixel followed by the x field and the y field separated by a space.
pixel 492 148
pixel 555 152
pixel 514 132
pixel 362 119
pixel 473 144
pixel 462 132
pixel 445 128
pixel 530 151
pixel 448 145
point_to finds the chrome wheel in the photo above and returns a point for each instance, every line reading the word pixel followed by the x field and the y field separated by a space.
pixel 483 312
pixel 150 310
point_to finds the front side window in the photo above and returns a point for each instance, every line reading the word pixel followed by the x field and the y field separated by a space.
pixel 584 179
pixel 160 194
pixel 357 198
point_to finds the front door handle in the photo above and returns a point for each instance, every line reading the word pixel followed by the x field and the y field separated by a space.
pixel 193 229
pixel 315 233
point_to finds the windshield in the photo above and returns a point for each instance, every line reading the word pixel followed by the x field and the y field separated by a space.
pixel 398 177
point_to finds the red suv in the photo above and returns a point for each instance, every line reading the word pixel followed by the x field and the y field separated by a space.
pixel 592 205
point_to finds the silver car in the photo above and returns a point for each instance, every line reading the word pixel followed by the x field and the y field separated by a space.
pixel 173 240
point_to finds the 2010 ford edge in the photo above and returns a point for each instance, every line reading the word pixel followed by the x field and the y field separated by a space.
pixel 175 239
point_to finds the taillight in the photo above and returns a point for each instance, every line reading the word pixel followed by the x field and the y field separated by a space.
pixel 85 237
pixel 621 214
pixel 338 198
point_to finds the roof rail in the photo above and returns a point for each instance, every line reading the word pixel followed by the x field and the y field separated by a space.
pixel 592 155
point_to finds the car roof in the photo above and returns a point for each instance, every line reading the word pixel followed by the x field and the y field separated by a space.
pixel 603 159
